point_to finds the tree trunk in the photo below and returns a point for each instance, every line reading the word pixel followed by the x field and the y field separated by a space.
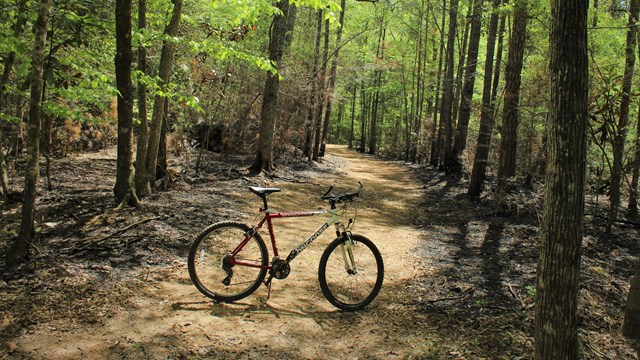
pixel 164 73
pixel 556 328
pixel 332 79
pixel 467 93
pixel 363 119
pixel 511 111
pixel 322 79
pixel 435 129
pixel 353 115
pixel 631 324
pixel 124 188
pixel 142 186
pixel 487 114
pixel 633 190
pixel 19 249
pixel 8 63
pixel 620 136
pixel 513 78
pixel 446 117
pixel 314 97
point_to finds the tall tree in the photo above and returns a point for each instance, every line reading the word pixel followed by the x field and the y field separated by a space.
pixel 513 79
pixel 633 188
pixel 279 38
pixel 332 78
pixel 620 134
pixel 8 63
pixel 124 189
pixel 446 116
pixel 556 328
pixel 467 93
pixel 487 113
pixel 20 247
pixel 157 117
pixel 143 126
pixel 631 325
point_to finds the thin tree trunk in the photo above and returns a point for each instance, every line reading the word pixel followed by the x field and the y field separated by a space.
pixel 513 77
pixel 279 39
pixel 556 328
pixel 467 93
pixel 124 187
pixel 19 249
pixel 620 136
pixel 436 135
pixel 633 191
pixel 314 97
pixel 142 186
pixel 322 93
pixel 332 79
pixel 164 73
pixel 8 64
pixel 486 116
pixel 446 116
pixel 353 114
pixel 511 111
pixel 363 122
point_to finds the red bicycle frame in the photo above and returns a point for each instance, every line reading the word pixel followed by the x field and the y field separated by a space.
pixel 267 219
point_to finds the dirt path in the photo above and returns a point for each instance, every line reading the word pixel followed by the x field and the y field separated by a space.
pixel 167 318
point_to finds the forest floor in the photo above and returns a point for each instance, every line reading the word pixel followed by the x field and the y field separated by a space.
pixel 459 277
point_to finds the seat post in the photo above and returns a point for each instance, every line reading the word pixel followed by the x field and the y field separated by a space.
pixel 264 201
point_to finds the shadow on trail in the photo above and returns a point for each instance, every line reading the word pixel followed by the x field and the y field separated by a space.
pixel 480 266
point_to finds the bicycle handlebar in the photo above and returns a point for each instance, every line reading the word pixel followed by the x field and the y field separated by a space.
pixel 337 198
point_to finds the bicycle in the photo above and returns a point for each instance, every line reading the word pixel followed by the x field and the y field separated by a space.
pixel 229 260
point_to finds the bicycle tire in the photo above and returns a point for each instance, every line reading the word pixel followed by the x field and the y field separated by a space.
pixel 351 291
pixel 206 257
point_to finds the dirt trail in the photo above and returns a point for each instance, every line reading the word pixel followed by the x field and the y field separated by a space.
pixel 168 318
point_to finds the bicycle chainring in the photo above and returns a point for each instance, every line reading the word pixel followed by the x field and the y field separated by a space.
pixel 280 269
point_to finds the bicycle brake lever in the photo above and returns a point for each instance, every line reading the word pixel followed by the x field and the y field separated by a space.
pixel 328 191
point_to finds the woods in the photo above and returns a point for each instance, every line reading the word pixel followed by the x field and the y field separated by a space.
pixel 531 107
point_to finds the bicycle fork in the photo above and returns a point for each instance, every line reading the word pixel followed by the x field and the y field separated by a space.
pixel 346 249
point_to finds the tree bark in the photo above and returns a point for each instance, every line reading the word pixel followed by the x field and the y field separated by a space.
pixel 142 186
pixel 631 324
pixel 620 136
pixel 157 117
pixel 556 327
pixel 511 109
pixel 314 97
pixel 124 188
pixel 447 98
pixel 633 191
pixel 467 93
pixel 8 63
pixel 19 249
pixel 322 93
pixel 487 114
pixel 513 78
pixel 436 134
pixel 332 80
pixel 281 29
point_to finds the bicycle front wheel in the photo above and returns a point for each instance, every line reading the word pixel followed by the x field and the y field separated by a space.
pixel 212 267
pixel 351 272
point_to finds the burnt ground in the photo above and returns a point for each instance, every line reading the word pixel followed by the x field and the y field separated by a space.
pixel 459 276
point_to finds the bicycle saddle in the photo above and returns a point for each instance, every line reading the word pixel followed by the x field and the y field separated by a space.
pixel 260 191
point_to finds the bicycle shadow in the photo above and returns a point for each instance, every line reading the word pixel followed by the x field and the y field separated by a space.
pixel 324 318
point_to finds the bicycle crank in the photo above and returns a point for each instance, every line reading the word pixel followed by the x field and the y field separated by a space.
pixel 280 269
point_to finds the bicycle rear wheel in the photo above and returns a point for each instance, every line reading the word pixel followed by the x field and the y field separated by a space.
pixel 209 263
pixel 351 275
